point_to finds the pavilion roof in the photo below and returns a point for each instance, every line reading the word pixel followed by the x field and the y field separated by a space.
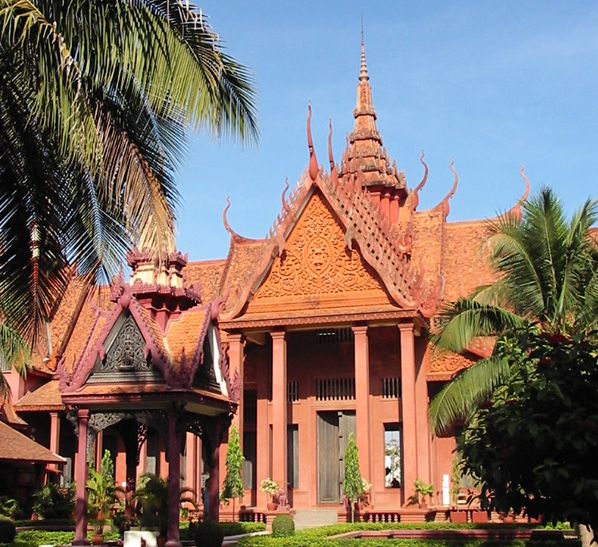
pixel 15 446
pixel 44 399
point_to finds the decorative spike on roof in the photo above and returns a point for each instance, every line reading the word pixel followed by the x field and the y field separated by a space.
pixel 516 210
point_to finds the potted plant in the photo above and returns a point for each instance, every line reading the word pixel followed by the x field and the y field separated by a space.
pixel 422 489
pixel 353 485
pixel 102 495
pixel 271 488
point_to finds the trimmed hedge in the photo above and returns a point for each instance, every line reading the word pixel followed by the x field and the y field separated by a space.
pixel 238 528
pixel 283 526
pixel 300 540
pixel 208 534
pixel 8 530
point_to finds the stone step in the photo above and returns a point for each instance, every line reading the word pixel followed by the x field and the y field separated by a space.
pixel 313 518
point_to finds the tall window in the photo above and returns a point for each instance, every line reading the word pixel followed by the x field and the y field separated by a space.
pixel 392 456
pixel 293 455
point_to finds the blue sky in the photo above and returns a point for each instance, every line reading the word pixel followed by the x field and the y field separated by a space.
pixel 490 84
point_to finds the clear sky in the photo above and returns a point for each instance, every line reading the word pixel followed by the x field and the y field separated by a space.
pixel 490 84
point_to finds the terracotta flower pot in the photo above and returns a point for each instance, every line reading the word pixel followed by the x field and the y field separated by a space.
pixel 97 539
pixel 271 506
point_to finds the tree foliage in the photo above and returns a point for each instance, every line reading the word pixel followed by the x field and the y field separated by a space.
pixel 353 487
pixel 534 446
pixel 232 487
pixel 95 97
pixel 547 276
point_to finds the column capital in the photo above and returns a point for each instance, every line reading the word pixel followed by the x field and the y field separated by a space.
pixel 360 329
pixel 278 334
pixel 406 327
pixel 235 337
pixel 83 413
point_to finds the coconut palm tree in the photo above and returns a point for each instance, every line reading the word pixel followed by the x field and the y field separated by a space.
pixel 547 278
pixel 95 98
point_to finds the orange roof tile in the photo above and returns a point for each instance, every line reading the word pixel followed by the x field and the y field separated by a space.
pixel 465 260
pixel 185 333
pixel 45 398
pixel 15 446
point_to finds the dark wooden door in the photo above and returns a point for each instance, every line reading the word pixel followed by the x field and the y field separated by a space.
pixel 333 433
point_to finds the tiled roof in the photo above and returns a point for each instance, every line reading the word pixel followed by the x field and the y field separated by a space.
pixel 45 398
pixel 465 260
pixel 184 334
pixel 8 414
pixel 206 276
pixel 15 446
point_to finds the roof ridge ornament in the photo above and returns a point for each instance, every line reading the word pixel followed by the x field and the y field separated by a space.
pixel 444 206
pixel 313 162
pixel 516 211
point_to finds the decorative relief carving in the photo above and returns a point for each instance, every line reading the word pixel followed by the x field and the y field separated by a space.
pixel 316 260
pixel 127 352
pixel 448 362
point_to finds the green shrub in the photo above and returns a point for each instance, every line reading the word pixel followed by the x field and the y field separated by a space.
pixel 208 534
pixel 283 526
pixel 8 530
pixel 237 528
pixel 53 501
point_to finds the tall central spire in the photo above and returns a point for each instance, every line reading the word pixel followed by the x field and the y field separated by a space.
pixel 365 157
pixel 363 74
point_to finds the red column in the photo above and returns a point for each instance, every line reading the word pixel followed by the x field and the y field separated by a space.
pixel 421 419
pixel 408 410
pixel 214 486
pixel 235 358
pixel 279 408
pixel 80 479
pixel 362 399
pixel 174 480
pixel 263 440
pixel 54 435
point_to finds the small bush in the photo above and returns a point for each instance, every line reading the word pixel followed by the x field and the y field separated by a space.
pixel 208 534
pixel 8 530
pixel 53 501
pixel 283 526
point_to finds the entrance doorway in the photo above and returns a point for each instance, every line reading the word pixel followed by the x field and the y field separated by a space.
pixel 333 433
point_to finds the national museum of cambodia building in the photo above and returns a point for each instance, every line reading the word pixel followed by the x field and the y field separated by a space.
pixel 298 339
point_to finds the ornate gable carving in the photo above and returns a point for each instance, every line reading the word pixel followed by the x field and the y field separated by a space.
pixel 316 270
pixel 126 357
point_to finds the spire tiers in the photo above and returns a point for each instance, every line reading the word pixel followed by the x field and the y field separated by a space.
pixel 365 157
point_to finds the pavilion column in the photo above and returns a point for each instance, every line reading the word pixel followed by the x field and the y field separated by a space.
pixel 99 449
pixel 214 462
pixel 174 479
pixel 362 398
pixel 279 408
pixel 385 204
pixel 54 435
pixel 421 417
pixel 408 410
pixel 81 478
pixel 263 441
pixel 236 345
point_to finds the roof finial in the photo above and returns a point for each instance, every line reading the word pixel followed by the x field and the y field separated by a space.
pixel 363 73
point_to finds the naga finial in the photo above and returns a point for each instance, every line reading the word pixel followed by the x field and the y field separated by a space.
pixel 516 210
pixel 444 206
pixel 313 162
pixel 285 204
pixel 333 173
pixel 225 219
pixel 527 185
pixel 426 171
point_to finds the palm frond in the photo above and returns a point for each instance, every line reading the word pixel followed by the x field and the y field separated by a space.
pixel 460 397
pixel 467 319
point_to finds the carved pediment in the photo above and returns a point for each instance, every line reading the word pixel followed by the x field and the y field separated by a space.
pixel 317 270
pixel 126 358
